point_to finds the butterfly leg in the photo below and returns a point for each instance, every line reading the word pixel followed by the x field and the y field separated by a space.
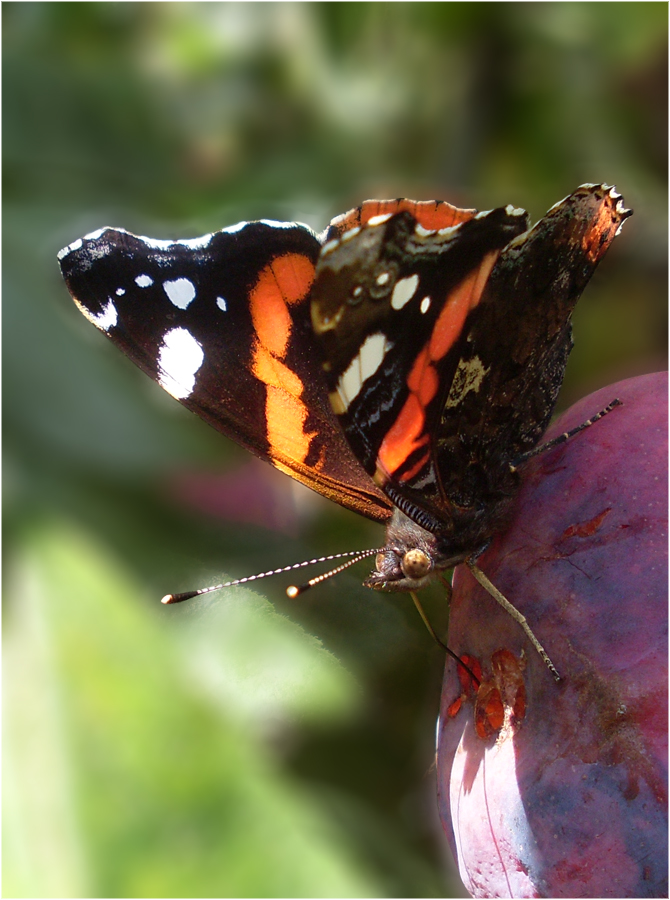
pixel 562 438
pixel 431 630
pixel 490 588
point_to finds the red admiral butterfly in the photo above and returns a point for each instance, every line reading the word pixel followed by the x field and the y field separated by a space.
pixel 404 364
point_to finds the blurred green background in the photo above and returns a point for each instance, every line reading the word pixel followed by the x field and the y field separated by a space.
pixel 249 745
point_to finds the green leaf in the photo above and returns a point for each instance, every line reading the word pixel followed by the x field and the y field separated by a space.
pixel 134 759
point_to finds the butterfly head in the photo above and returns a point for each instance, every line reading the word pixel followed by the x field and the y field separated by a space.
pixel 411 557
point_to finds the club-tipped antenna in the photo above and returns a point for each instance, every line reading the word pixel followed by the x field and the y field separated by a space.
pixel 357 554
pixel 294 590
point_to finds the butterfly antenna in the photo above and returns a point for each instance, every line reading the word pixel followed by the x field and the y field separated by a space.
pixel 295 590
pixel 291 591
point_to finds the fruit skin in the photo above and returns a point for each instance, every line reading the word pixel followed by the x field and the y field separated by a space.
pixel 571 801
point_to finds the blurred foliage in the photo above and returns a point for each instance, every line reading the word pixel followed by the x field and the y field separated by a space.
pixel 223 749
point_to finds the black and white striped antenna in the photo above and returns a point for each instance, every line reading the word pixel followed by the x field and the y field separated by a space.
pixel 293 590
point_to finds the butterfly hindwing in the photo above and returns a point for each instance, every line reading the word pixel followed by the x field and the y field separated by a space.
pixel 516 345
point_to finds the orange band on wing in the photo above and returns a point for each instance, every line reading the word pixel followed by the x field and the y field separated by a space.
pixel 284 281
pixel 430 214
pixel 295 274
pixel 460 302
pixel 407 433
pixel 285 425
pixel 405 436
pixel 285 413
pixel 274 373
pixel 423 380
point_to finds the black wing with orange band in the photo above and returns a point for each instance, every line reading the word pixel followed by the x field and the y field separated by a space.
pixel 390 304
pixel 223 324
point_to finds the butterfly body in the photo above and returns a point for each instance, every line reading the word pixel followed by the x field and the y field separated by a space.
pixel 401 366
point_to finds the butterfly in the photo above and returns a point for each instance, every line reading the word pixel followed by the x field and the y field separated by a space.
pixel 405 363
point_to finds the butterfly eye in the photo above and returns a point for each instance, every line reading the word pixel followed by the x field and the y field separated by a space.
pixel 416 564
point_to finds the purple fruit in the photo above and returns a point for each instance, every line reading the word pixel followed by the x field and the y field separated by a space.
pixel 560 790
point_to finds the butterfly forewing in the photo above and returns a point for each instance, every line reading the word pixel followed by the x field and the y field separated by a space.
pixel 389 305
pixel 222 323
pixel 430 215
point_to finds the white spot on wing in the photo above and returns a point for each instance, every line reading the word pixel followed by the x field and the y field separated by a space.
pixel 156 243
pixel 75 245
pixel 425 304
pixel 362 366
pixel 233 229
pixel 371 355
pixel 120 292
pixel 274 224
pixel 221 303
pixel 94 235
pixel 404 291
pixel 181 291
pixel 378 220
pixel 105 319
pixel 144 281
pixel 179 359
pixel 197 243
pixel 383 278
pixel 423 232
pixel 428 478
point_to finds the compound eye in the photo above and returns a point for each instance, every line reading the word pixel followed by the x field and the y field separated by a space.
pixel 416 564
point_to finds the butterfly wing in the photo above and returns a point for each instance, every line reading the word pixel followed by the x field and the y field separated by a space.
pixel 445 349
pixel 515 346
pixel 389 305
pixel 222 323
pixel 430 214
